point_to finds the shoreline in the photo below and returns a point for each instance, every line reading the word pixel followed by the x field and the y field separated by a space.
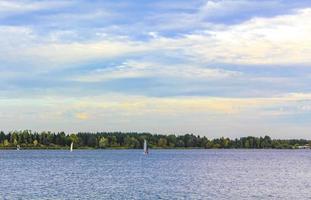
pixel 92 149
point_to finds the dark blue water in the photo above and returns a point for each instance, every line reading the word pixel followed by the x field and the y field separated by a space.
pixel 163 174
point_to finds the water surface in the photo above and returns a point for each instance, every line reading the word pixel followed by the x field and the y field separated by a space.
pixel 163 174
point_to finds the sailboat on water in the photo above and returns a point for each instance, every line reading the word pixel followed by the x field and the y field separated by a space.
pixel 146 151
pixel 71 147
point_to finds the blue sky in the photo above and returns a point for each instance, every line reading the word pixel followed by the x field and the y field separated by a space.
pixel 214 68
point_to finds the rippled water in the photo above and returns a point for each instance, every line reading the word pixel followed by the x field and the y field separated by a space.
pixel 163 174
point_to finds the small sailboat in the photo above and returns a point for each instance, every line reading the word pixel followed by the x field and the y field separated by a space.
pixel 71 146
pixel 145 147
pixel 18 148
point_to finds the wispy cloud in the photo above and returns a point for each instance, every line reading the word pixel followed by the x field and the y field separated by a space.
pixel 256 41
pixel 136 69
pixel 186 66
pixel 119 112
pixel 12 7
pixel 224 10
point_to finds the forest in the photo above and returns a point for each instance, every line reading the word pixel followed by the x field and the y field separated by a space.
pixel 27 139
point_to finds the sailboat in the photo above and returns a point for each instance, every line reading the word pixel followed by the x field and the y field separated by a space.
pixel 145 147
pixel 18 148
pixel 71 146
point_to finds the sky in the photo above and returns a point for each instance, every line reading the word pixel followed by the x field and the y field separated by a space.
pixel 208 67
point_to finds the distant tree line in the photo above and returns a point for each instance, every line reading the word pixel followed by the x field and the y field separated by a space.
pixel 29 139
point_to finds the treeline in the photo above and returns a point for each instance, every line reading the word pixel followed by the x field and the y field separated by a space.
pixel 29 139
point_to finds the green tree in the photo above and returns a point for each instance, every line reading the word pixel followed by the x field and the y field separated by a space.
pixel 35 143
pixel 92 141
pixel 162 142
pixel 131 142
pixel 113 141
pixel 74 138
pixel 6 143
pixel 103 142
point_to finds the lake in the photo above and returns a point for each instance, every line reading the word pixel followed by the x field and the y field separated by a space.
pixel 163 174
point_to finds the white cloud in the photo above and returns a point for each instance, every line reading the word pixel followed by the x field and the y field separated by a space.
pixel 140 68
pixel 279 40
pixel 175 115
pixel 221 8
pixel 58 53
pixel 12 7
pixel 23 47
pixel 78 17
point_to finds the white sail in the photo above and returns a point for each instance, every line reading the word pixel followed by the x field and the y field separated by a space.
pixel 145 147
pixel 71 146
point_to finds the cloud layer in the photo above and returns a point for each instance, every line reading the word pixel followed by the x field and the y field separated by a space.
pixel 210 65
